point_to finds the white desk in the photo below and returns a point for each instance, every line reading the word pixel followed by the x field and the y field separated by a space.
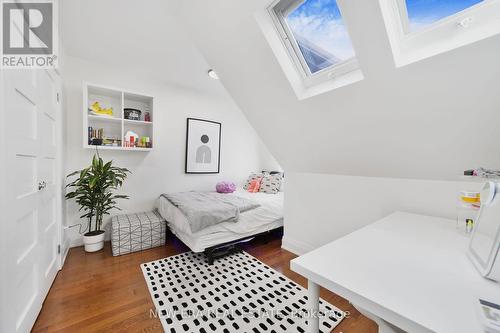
pixel 407 270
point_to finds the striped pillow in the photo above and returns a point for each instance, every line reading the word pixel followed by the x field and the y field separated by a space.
pixel 271 183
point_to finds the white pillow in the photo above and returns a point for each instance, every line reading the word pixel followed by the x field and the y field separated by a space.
pixel 271 183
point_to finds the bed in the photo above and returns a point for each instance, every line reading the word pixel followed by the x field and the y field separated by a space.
pixel 223 236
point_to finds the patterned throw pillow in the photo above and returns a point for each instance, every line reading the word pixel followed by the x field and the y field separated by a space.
pixel 253 176
pixel 271 183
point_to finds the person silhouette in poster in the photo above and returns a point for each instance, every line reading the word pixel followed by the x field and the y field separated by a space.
pixel 203 153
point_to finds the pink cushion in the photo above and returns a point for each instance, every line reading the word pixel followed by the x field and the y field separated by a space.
pixel 254 185
pixel 225 187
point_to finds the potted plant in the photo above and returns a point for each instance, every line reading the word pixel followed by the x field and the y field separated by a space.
pixel 93 191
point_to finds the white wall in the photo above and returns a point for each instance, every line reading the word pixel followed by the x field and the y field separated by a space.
pixel 161 170
pixel 320 208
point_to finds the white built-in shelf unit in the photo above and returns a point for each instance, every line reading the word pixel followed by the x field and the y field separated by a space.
pixel 116 126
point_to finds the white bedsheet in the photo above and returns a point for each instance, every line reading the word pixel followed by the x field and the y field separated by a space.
pixel 268 216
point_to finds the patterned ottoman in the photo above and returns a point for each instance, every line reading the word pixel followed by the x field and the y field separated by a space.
pixel 136 232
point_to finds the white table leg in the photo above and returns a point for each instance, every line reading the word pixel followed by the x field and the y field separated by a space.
pixel 313 298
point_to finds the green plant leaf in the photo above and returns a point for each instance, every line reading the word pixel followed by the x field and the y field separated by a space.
pixel 94 189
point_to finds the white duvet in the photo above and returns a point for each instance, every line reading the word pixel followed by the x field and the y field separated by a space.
pixel 269 211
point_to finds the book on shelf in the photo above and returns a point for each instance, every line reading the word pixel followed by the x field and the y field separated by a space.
pixel 96 137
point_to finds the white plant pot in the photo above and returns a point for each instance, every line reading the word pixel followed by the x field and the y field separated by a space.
pixel 93 243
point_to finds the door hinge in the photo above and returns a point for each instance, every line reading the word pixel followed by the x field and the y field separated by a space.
pixel 57 96
pixel 59 249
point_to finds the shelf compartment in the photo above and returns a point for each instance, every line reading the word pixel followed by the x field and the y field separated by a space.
pixel 117 126
pixel 107 98
pixel 139 102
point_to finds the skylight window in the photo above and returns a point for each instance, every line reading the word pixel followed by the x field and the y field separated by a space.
pixel 316 37
pixel 419 29
pixel 311 43
pixel 423 13
pixel 320 34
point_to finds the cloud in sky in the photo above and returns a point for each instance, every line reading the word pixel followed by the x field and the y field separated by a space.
pixel 422 13
pixel 320 23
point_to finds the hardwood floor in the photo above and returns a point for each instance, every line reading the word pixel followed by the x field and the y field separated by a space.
pixel 96 292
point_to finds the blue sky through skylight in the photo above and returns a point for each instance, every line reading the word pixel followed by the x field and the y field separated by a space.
pixel 421 13
pixel 318 24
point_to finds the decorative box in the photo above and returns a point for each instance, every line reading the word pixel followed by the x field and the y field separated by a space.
pixel 137 232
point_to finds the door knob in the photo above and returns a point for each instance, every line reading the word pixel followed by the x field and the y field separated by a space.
pixel 41 185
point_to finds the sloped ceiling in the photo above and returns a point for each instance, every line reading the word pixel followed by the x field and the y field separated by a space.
pixel 428 120
pixel 141 36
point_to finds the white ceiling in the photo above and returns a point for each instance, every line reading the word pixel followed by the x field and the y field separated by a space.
pixel 138 35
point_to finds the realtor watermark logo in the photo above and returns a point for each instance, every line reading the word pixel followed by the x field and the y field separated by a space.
pixel 29 34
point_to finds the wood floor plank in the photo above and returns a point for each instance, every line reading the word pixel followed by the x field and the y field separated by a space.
pixel 96 292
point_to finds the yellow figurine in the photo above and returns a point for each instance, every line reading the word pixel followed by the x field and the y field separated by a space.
pixel 96 108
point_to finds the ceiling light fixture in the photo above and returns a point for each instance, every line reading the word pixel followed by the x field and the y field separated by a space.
pixel 213 74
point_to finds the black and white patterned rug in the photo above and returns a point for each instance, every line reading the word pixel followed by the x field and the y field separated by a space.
pixel 237 293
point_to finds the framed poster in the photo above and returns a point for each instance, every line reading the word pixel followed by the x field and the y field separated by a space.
pixel 202 146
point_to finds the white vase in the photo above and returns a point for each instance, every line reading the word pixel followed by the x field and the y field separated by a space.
pixel 93 243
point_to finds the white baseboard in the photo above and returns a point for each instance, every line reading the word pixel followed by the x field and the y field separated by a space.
pixel 78 239
pixel 76 242
pixel 295 246
pixel 66 246
pixel 292 245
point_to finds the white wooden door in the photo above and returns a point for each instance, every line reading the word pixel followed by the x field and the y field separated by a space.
pixel 32 120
